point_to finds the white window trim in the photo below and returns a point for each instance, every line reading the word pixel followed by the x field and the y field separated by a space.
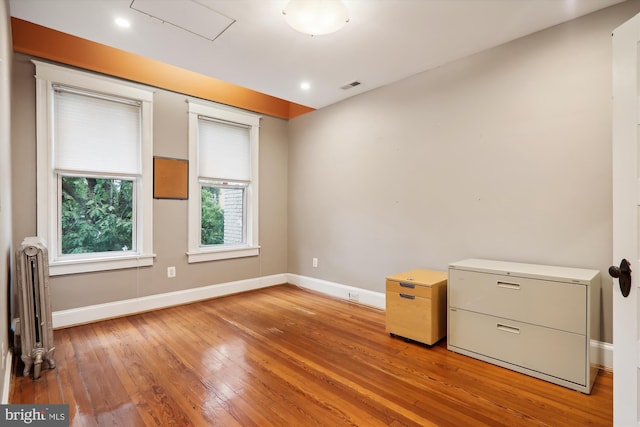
pixel 47 203
pixel 196 252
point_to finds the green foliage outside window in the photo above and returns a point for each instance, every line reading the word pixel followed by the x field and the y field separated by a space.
pixel 96 215
pixel 212 218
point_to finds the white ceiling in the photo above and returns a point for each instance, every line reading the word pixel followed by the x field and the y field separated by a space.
pixel 384 41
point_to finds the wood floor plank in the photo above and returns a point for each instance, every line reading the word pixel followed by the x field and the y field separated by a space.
pixel 142 378
pixel 227 388
pixel 283 356
pixel 344 380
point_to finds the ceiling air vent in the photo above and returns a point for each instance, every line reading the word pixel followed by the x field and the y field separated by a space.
pixel 350 85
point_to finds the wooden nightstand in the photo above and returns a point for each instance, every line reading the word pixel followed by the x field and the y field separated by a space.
pixel 416 303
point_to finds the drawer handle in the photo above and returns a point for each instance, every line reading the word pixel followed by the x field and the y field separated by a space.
pixel 510 329
pixel 407 285
pixel 407 296
pixel 507 285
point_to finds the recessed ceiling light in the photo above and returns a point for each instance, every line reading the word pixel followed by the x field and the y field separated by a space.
pixel 122 22
pixel 305 85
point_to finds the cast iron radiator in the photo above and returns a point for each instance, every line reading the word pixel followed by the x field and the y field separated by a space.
pixel 36 333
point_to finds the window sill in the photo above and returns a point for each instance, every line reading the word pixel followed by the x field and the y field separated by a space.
pixel 220 254
pixel 58 268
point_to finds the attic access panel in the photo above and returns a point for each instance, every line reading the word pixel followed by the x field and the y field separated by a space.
pixel 188 15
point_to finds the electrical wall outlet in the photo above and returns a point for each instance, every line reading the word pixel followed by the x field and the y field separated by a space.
pixel 315 262
pixel 171 272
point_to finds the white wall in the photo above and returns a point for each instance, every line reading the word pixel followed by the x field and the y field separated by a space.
pixel 5 194
pixel 502 155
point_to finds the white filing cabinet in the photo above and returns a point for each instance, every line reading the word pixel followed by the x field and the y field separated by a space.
pixel 535 319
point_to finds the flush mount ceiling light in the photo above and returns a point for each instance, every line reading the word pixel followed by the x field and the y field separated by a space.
pixel 316 17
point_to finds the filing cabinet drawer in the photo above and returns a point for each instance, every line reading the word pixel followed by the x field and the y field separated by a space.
pixel 410 317
pixel 544 350
pixel 408 288
pixel 542 302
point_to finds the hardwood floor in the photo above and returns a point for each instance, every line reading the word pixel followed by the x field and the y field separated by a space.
pixel 283 356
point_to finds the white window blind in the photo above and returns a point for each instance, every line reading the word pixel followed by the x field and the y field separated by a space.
pixel 93 133
pixel 224 150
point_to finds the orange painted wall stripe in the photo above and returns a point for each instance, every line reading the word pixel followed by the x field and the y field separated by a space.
pixel 43 42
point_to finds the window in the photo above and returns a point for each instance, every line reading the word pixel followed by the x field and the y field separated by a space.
pixel 96 215
pixel 94 171
pixel 223 183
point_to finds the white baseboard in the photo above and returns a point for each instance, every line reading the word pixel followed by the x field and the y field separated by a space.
pixel 349 293
pixel 604 353
pixel 93 313
pixel 76 316
pixel 6 384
